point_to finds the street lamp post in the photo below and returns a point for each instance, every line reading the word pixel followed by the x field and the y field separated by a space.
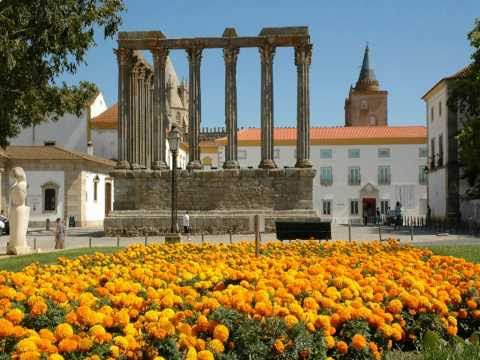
pixel 174 143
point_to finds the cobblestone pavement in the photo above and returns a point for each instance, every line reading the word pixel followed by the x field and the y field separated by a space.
pixel 85 237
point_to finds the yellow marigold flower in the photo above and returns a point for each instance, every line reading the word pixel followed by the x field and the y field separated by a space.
pixel 63 331
pixel 26 345
pixel 359 342
pixel 290 320
pixel 191 354
pixel 205 355
pixel 85 344
pixel 6 328
pixel 115 351
pixel 216 346
pixel 29 355
pixel 279 346
pixel 395 306
pixel 329 342
pixel 121 341
pixel 55 357
pixel 221 332
pixel 15 316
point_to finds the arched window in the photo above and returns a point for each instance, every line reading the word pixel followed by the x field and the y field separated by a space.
pixel 372 120
pixel 50 196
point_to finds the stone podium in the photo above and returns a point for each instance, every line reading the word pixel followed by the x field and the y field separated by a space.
pixel 19 214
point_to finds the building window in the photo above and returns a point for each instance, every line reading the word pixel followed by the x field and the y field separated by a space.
pixel 353 153
pixel 50 196
pixel 422 152
pixel 384 207
pixel 439 108
pixel 353 207
pixel 242 154
pixel 325 153
pixel 96 180
pixel 422 175
pixel 327 207
pixel 326 176
pixel 384 177
pixel 384 153
pixel 354 175
pixel 364 105
pixel 276 154
pixel 49 143
pixel 440 150
pixel 431 114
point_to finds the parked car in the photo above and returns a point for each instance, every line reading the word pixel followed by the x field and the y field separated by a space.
pixel 4 225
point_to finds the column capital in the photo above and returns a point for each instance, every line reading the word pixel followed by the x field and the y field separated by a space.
pixel 123 55
pixel 230 54
pixel 303 54
pixel 194 54
pixel 159 53
pixel 266 53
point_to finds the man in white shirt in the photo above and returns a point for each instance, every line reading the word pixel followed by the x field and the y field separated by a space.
pixel 186 224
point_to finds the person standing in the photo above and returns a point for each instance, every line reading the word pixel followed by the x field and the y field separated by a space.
pixel 59 234
pixel 186 224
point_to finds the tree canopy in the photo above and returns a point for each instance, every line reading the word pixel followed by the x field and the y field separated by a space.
pixel 39 41
pixel 465 100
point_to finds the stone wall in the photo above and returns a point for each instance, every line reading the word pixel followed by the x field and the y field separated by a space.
pixel 217 201
pixel 242 189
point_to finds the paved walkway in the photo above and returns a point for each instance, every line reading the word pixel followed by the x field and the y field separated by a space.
pixel 85 237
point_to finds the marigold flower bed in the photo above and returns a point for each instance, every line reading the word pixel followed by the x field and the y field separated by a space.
pixel 302 300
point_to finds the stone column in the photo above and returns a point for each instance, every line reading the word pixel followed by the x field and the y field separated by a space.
pixel 148 122
pixel 142 118
pixel 230 55
pixel 136 109
pixel 266 55
pixel 160 121
pixel 124 69
pixel 194 108
pixel 303 57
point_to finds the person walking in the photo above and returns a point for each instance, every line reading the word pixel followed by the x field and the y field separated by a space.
pixel 398 215
pixel 186 224
pixel 59 234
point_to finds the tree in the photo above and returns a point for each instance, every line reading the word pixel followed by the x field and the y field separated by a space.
pixel 39 41
pixel 465 101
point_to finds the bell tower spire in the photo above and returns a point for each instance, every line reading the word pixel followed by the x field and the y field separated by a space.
pixel 366 104
pixel 367 79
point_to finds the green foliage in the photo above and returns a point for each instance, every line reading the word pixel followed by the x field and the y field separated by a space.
pixel 168 348
pixel 255 339
pixel 41 40
pixel 55 315
pixel 465 98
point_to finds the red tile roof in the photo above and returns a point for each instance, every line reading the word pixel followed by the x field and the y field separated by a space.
pixel 339 135
pixel 106 120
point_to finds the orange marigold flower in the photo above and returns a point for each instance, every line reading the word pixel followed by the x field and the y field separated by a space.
pixel 205 355
pixel 359 342
pixel 15 316
pixel 395 306
pixel 290 320
pixel 6 328
pixel 341 347
pixel 68 345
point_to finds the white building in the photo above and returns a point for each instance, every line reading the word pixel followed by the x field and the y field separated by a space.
pixel 358 168
pixel 61 184
pixel 446 189
pixel 69 132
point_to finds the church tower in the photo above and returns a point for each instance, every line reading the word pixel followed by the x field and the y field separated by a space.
pixel 366 104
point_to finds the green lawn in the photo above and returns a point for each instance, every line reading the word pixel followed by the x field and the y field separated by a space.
pixel 468 252
pixel 17 263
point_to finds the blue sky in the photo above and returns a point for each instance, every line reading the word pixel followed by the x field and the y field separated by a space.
pixel 413 44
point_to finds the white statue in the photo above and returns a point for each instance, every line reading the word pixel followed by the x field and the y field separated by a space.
pixel 19 214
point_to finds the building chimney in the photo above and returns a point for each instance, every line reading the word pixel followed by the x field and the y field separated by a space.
pixel 90 148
